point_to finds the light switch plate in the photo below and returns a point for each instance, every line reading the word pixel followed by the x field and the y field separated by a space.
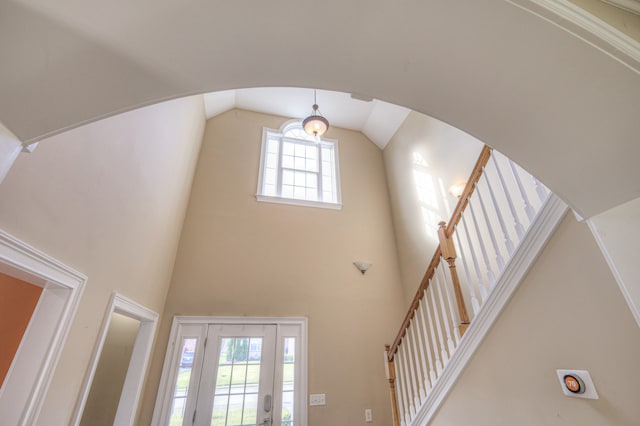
pixel 368 415
pixel 317 399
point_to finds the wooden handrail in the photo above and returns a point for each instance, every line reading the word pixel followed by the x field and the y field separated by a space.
pixel 474 178
pixel 463 201
pixel 431 269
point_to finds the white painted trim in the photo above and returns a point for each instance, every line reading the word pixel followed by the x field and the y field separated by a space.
pixel 302 203
pixel 163 398
pixel 10 147
pixel 132 388
pixel 632 6
pixel 592 29
pixel 26 384
pixel 616 274
pixel 29 148
pixel 535 239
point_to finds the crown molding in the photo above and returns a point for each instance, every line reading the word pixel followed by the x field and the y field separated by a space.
pixel 632 6
pixel 587 27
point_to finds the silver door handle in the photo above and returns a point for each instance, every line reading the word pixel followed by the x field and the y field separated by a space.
pixel 267 403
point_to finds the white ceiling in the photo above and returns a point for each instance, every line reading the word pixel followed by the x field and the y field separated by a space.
pixel 558 94
pixel 378 120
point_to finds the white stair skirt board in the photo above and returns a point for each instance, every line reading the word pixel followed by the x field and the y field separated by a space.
pixel 543 226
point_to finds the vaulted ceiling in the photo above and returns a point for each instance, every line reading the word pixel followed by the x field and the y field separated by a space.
pixel 561 101
pixel 378 120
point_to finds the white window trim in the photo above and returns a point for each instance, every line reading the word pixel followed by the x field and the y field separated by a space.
pixel 306 203
pixel 132 388
pixel 170 366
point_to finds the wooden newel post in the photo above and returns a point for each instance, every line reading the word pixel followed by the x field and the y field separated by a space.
pixel 391 378
pixel 448 251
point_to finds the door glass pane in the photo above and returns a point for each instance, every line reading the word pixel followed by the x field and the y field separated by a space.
pixel 288 378
pixel 235 402
pixel 179 402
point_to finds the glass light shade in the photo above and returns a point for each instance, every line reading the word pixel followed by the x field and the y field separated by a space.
pixel 315 124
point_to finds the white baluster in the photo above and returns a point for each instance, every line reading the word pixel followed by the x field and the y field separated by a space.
pixel 541 190
pixel 402 387
pixel 445 317
pixel 516 220
pixel 492 237
pixel 413 367
pixel 442 345
pixel 407 367
pixel 483 249
pixel 427 341
pixel 421 371
pixel 527 205
pixel 429 311
pixel 472 292
pixel 418 332
pixel 507 239
pixel 455 319
pixel 481 283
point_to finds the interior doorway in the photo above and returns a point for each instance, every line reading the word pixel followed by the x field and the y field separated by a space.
pixel 24 388
pixel 113 385
pixel 234 371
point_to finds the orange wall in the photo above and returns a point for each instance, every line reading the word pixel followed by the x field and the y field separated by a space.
pixel 18 299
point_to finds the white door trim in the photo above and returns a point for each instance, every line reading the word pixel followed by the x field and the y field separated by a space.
pixel 28 378
pixel 163 398
pixel 130 396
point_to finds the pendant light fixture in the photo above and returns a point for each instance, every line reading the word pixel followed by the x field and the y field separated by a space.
pixel 315 124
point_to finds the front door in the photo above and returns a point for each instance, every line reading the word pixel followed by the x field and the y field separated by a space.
pixel 233 375
pixel 236 383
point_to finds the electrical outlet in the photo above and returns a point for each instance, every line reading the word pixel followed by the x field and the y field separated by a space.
pixel 368 415
pixel 317 399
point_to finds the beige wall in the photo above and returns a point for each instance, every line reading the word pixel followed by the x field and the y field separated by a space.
pixel 424 150
pixel 108 199
pixel 238 256
pixel 622 20
pixel 103 399
pixel 567 313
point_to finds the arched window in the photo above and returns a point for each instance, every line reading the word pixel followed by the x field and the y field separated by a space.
pixel 296 168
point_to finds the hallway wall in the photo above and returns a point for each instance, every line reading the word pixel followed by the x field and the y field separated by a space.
pixel 107 199
pixel 422 161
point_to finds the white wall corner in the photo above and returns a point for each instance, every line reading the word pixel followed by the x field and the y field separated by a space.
pixel 578 216
pixel 624 289
pixel 29 148
pixel 10 147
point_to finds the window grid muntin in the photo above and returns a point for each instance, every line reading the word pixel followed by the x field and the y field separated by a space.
pixel 226 393
pixel 317 172
pixel 327 175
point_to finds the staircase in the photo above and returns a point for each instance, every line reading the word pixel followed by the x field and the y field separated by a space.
pixel 501 222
